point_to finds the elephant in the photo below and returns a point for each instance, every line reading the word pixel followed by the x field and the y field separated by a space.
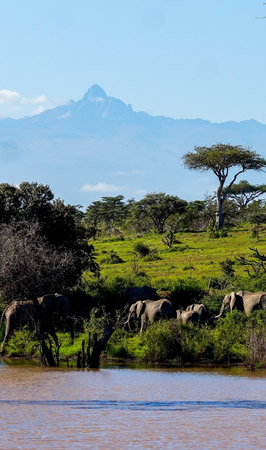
pixel 40 316
pixel 150 310
pixel 188 316
pixel 243 301
pixel 56 304
pixel 133 294
pixel 201 310
pixel 18 313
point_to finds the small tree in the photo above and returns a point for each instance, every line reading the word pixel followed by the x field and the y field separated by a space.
pixel 244 193
pixel 158 207
pixel 221 158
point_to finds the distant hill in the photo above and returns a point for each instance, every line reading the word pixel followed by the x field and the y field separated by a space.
pixel 99 146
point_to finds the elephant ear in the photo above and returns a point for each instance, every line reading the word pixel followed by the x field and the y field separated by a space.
pixel 236 301
pixel 140 308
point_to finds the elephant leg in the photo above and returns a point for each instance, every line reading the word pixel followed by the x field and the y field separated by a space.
pixel 7 332
pixel 143 318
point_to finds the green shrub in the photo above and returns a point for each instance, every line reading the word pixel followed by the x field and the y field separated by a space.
pixel 184 292
pixel 162 341
pixel 112 258
pixel 229 337
pixel 152 256
pixel 142 249
pixel 216 234
pixel 117 345
pixel 22 343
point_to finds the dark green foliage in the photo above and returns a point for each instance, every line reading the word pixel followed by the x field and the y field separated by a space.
pixel 236 338
pixel 112 258
pixel 142 249
pixel 158 208
pixel 108 213
pixel 244 193
pixel 153 256
pixel 213 304
pixel 23 344
pixel 227 268
pixel 216 234
pixel 117 345
pixel 162 341
pixel 59 224
pixel 183 292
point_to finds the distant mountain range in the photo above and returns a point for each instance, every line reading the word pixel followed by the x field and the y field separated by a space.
pixel 99 146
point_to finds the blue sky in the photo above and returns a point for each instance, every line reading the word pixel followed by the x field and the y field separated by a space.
pixel 180 58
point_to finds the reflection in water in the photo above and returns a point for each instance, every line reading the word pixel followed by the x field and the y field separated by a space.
pixel 112 408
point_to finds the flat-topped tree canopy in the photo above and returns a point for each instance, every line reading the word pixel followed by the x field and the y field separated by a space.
pixel 244 193
pixel 220 158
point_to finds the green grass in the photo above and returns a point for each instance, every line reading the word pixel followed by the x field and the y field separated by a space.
pixel 197 256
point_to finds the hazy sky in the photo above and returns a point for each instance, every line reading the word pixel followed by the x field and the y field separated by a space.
pixel 180 58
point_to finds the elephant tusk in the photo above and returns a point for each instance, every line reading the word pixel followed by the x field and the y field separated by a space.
pixel 219 315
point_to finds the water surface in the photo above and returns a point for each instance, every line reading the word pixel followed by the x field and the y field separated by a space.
pixel 128 408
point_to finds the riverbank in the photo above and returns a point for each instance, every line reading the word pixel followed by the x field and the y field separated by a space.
pixel 234 339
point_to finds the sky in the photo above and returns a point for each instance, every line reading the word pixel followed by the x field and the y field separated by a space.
pixel 178 58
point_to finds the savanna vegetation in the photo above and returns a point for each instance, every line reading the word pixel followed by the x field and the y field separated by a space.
pixel 190 252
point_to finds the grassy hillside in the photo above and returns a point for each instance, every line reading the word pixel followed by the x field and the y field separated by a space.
pixel 195 255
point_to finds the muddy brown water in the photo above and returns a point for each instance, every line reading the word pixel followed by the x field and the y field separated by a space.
pixel 125 408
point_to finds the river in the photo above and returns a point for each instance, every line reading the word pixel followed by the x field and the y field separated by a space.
pixel 126 408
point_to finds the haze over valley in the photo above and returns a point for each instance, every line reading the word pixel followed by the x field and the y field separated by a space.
pixel 100 146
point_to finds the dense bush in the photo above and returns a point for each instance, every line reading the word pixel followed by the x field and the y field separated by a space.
pixel 236 338
pixel 142 249
pixel 23 343
pixel 184 292
pixel 112 258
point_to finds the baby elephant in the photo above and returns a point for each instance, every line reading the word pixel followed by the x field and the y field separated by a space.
pixel 187 316
pixel 201 310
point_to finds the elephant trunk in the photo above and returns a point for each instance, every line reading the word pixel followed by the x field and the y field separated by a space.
pixel 127 323
pixel 220 313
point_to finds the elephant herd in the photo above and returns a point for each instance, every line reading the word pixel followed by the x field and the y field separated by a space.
pixel 42 311
pixel 152 310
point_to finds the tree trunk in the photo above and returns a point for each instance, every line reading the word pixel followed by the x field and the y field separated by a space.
pixel 99 346
pixel 48 356
pixel 219 207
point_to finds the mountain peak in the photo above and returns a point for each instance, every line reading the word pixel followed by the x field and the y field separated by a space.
pixel 95 92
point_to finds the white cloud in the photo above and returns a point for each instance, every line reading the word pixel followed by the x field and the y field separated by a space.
pixel 14 98
pixel 100 187
pixel 14 105
pixel 9 97
pixel 37 100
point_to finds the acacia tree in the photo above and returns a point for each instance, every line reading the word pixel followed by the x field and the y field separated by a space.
pixel 221 158
pixel 244 193
pixel 109 211
pixel 159 207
